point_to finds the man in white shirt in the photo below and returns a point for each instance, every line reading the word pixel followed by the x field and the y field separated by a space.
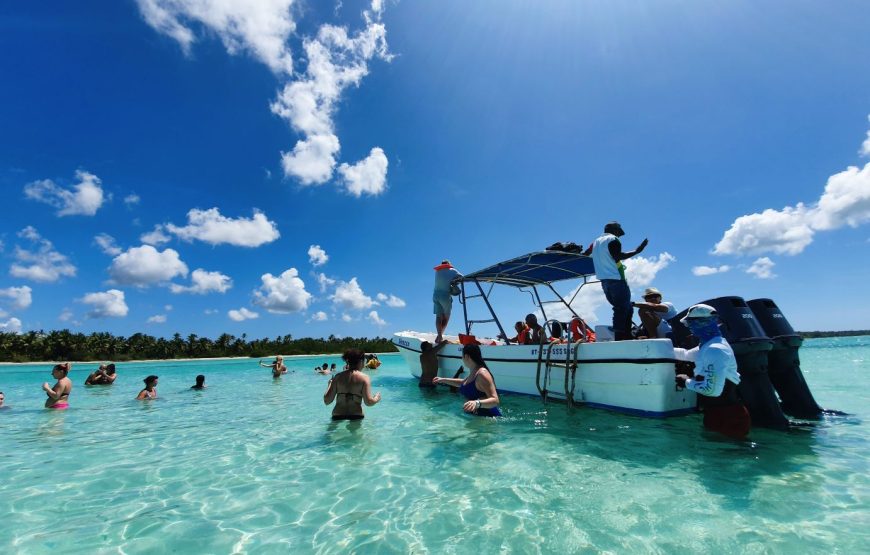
pixel 716 376
pixel 654 314
pixel 607 256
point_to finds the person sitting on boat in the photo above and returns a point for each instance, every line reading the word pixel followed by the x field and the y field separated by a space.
pixel 654 314
pixel 104 375
pixel 429 362
pixel 580 331
pixel 350 388
pixel 606 256
pixel 537 331
pixel 715 376
pixel 58 396
pixel 277 367
pixel 442 296
pixel 523 335
pixel 557 333
pixel 478 387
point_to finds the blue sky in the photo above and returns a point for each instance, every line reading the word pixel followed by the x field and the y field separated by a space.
pixel 167 166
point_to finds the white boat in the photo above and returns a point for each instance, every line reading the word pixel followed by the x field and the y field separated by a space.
pixel 635 377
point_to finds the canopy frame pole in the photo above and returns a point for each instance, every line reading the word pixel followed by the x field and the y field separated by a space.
pixel 465 309
pixel 491 311
pixel 540 304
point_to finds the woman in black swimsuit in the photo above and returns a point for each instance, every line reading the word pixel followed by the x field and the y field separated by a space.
pixel 350 389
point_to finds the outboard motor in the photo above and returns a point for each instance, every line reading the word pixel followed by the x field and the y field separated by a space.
pixel 784 365
pixel 751 347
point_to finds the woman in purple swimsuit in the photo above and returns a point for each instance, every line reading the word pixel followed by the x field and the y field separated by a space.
pixel 478 387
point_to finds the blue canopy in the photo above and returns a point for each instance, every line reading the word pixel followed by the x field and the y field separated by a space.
pixel 536 268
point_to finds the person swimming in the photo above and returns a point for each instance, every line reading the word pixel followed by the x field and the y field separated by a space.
pixel 2 400
pixel 200 383
pixel 478 387
pixel 350 389
pixel 277 367
pixel 323 369
pixel 150 391
pixel 104 375
pixel 58 396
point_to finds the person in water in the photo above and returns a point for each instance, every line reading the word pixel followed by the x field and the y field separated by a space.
pixel 150 391
pixel 350 389
pixel 2 400
pixel 104 375
pixel 200 383
pixel 324 369
pixel 58 396
pixel 478 387
pixel 429 362
pixel 277 367
pixel 715 378
pixel 332 368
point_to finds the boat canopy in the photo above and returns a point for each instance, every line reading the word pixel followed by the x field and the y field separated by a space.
pixel 536 268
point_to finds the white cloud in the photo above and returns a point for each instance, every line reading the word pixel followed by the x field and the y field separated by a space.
pixel 66 315
pixel 210 311
pixel 44 265
pixel 283 294
pixel 336 61
pixel 317 256
pixel 258 27
pixel 19 297
pixel 865 146
pixel 762 268
pixel 145 265
pixel 845 201
pixel 324 282
pixel 12 325
pixel 320 316
pixel 710 270
pixel 211 227
pixel 155 237
pixel 368 176
pixel 641 271
pixel 351 296
pixel 167 307
pixel 375 319
pixel 157 319
pixel 106 304
pixel 107 244
pixel 131 199
pixel 242 314
pixel 84 200
pixel 203 282
pixel 391 301
pixel 346 318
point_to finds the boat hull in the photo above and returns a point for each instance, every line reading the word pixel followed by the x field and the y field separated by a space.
pixel 634 377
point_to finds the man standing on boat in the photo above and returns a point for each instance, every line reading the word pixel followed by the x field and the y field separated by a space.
pixel 607 256
pixel 442 296
pixel 715 378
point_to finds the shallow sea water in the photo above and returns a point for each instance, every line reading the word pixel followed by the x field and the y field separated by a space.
pixel 255 465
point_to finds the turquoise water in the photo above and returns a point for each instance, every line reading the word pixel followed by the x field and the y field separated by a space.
pixel 253 465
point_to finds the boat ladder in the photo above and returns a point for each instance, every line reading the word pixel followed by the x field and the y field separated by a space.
pixel 569 364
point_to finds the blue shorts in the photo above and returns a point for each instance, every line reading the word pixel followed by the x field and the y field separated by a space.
pixel 442 305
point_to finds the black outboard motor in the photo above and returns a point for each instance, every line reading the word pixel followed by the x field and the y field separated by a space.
pixel 751 347
pixel 784 365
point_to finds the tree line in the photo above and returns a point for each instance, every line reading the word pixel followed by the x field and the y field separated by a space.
pixel 36 346
pixel 849 333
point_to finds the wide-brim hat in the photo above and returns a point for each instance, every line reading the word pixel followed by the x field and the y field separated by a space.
pixel 650 291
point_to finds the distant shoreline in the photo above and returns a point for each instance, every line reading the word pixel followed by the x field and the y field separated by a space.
pixel 42 363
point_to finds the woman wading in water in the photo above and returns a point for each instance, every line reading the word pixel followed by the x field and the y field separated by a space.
pixel 350 388
pixel 58 396
pixel 478 387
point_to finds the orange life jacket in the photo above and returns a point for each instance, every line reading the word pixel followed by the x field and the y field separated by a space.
pixel 581 332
